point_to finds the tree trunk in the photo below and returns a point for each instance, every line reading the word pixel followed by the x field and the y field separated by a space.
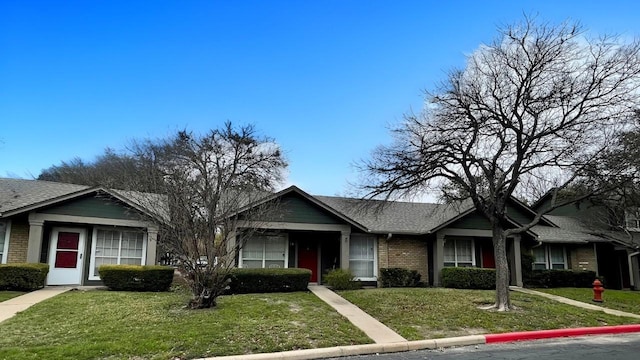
pixel 203 300
pixel 205 288
pixel 503 299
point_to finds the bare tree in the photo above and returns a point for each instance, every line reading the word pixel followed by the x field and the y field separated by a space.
pixel 619 208
pixel 205 181
pixel 538 106
pixel 110 169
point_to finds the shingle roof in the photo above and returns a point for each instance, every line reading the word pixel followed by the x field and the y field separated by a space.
pixel 423 218
pixel 19 193
pixel 395 217
pixel 569 230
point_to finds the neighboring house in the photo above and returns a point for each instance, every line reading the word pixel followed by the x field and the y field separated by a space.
pixel 321 233
pixel 598 242
pixel 73 228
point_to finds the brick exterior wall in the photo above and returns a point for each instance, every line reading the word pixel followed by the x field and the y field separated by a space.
pixel 404 252
pixel 18 242
pixel 583 258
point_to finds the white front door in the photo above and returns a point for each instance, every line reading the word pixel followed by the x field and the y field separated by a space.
pixel 66 253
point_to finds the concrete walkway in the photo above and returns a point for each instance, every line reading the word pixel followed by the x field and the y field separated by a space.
pixel 575 303
pixel 11 307
pixel 374 329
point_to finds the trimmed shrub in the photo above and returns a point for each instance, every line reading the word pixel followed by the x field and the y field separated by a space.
pixel 246 281
pixel 23 277
pixel 399 277
pixel 340 279
pixel 560 278
pixel 136 277
pixel 468 278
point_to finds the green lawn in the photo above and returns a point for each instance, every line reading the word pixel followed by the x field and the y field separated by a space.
pixel 123 325
pixel 623 300
pixel 6 295
pixel 437 312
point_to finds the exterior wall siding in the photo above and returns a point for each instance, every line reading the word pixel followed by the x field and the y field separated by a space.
pixel 518 214
pixel 18 242
pixel 94 207
pixel 404 252
pixel 583 258
pixel 294 209
pixel 472 221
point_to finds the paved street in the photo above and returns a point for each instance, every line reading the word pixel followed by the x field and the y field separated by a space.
pixel 610 347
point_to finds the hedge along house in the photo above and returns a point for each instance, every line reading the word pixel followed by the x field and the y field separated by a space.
pixel 321 233
pixel 73 228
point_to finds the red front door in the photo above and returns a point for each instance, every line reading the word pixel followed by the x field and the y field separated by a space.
pixel 308 258
pixel 488 259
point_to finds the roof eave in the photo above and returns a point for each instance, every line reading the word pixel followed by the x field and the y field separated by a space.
pixel 49 202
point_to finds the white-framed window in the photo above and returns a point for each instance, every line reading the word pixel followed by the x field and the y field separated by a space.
pixel 362 256
pixel 117 246
pixel 266 251
pixel 5 230
pixel 539 258
pixel 459 252
pixel 549 257
pixel 632 219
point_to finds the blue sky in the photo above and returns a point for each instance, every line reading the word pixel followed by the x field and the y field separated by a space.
pixel 324 78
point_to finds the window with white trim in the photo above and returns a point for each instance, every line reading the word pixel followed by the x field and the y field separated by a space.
pixel 549 257
pixel 362 256
pixel 117 246
pixel 265 252
pixel 632 219
pixel 539 258
pixel 459 252
pixel 4 241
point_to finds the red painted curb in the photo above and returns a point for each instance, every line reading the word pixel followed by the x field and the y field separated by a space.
pixel 546 334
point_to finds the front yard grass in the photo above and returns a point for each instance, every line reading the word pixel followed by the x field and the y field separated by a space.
pixel 437 312
pixel 623 300
pixel 6 295
pixel 128 325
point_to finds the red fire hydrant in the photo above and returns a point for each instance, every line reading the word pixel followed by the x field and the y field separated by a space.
pixel 597 291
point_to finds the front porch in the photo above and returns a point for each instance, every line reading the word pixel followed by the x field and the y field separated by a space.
pixel 472 248
pixel 74 246
pixel 317 247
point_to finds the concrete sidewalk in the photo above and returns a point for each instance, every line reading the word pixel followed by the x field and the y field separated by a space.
pixel 575 303
pixel 11 307
pixel 374 329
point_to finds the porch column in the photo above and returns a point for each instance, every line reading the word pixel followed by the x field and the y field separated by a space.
pixel 152 246
pixel 634 270
pixel 34 246
pixel 438 258
pixel 344 249
pixel 232 252
pixel 516 261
